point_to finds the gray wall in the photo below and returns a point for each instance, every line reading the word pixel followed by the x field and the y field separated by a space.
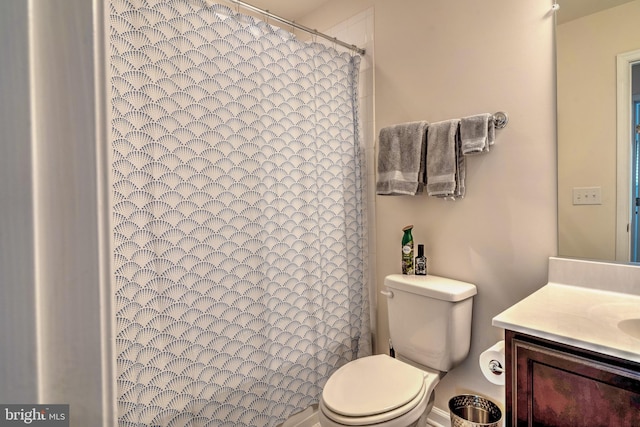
pixel 52 297
pixel 18 361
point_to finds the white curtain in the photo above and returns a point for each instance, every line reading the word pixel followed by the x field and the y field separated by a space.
pixel 238 223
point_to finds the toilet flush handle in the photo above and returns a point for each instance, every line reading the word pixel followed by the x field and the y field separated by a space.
pixel 387 294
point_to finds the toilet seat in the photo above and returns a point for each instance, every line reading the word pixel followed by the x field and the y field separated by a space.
pixel 376 389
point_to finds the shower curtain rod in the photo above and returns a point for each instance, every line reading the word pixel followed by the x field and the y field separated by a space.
pixel 298 26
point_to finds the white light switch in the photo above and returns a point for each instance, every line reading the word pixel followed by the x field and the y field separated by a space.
pixel 587 196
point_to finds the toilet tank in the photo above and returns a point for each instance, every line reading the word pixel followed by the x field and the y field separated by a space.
pixel 430 319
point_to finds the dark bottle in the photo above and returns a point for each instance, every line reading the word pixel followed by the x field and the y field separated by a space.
pixel 421 262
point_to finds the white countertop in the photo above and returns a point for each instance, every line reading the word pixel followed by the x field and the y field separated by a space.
pixel 578 316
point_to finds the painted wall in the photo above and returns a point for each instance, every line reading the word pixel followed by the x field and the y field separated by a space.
pixel 51 317
pixel 440 59
pixel 18 361
pixel 587 49
pixel 65 142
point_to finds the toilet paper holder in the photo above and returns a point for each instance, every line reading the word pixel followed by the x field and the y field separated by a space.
pixel 496 367
pixel 492 363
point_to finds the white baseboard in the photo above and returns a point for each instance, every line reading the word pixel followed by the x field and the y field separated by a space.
pixel 439 418
pixel 306 418
pixel 309 418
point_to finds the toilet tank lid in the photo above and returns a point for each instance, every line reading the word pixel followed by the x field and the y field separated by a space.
pixel 430 286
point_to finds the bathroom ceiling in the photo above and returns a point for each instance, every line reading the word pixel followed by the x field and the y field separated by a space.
pixel 289 9
pixel 569 9
pixel 573 9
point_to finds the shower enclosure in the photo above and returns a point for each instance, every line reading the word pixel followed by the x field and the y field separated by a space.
pixel 238 233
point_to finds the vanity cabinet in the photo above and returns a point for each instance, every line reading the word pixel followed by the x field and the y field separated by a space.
pixel 553 384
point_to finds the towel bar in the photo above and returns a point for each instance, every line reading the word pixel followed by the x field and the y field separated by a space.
pixel 500 119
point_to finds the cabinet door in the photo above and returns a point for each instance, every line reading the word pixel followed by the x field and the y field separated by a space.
pixel 564 387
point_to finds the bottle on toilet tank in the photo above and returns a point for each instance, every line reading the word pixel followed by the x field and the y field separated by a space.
pixel 407 251
pixel 421 262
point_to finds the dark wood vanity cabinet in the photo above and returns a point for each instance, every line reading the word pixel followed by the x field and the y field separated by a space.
pixel 551 384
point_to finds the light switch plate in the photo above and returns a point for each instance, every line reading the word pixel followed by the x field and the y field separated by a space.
pixel 587 196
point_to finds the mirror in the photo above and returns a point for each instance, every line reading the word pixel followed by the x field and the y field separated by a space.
pixel 590 35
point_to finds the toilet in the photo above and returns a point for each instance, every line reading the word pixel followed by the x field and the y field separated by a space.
pixel 430 329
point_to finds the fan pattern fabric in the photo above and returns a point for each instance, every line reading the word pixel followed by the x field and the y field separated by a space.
pixel 238 228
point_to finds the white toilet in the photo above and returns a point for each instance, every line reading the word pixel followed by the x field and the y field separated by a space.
pixel 430 328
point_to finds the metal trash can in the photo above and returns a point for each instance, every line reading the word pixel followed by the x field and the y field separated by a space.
pixel 468 410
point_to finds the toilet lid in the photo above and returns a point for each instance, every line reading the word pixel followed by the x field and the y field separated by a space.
pixel 372 385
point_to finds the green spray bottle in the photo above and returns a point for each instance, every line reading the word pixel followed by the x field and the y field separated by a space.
pixel 407 251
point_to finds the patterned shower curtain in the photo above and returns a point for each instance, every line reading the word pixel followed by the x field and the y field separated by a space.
pixel 239 242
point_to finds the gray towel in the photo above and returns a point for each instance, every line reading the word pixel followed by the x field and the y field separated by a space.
pixel 477 133
pixel 491 132
pixel 445 162
pixel 401 159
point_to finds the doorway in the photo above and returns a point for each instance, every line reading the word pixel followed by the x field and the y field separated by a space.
pixel 628 158
pixel 635 173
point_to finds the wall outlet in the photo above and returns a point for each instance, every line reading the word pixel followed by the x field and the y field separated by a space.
pixel 587 196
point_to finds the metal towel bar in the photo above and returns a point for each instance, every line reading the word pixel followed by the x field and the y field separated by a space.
pixel 500 119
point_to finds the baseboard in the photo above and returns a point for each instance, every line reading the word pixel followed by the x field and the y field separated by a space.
pixel 306 418
pixel 439 418
pixel 309 418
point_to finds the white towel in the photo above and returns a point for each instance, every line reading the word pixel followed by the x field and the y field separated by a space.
pixel 401 159
pixel 477 133
pixel 445 162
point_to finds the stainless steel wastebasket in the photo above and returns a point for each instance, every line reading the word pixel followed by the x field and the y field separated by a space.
pixel 468 410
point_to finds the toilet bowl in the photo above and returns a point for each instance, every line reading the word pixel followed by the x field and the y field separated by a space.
pixel 430 328
pixel 377 390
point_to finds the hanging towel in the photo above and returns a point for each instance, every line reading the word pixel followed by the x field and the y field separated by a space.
pixel 477 133
pixel 401 159
pixel 491 132
pixel 461 169
pixel 445 162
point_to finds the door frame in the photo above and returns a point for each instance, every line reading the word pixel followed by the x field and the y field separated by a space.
pixel 624 61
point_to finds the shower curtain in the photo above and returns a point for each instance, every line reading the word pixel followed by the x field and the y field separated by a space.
pixel 238 224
